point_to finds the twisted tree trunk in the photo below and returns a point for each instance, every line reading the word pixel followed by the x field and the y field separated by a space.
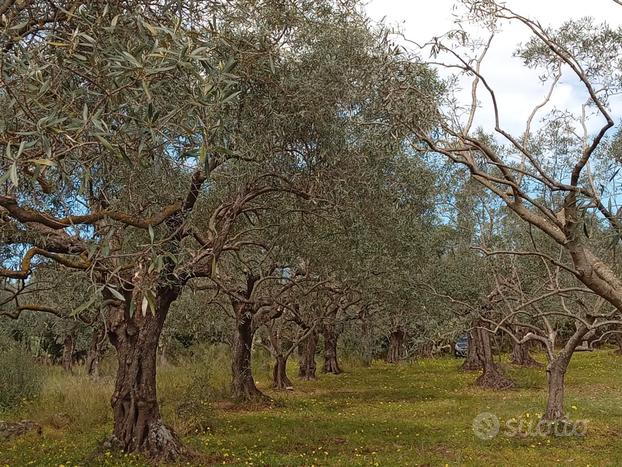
pixel 555 374
pixel 96 349
pixel 243 384
pixel 367 342
pixel 396 346
pixel 279 373
pixel 520 356
pixel 520 353
pixel 137 422
pixel 307 364
pixel 331 365
pixel 492 376
pixel 472 361
pixel 68 348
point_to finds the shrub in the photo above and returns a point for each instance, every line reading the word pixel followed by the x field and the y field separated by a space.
pixel 188 391
pixel 72 401
pixel 21 378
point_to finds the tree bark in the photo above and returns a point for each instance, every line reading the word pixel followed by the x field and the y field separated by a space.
pixel 426 350
pixel 367 342
pixel 492 377
pixel 472 361
pixel 96 349
pixel 396 346
pixel 307 364
pixel 279 374
pixel 331 364
pixel 619 342
pixel 243 384
pixel 555 373
pixel 520 353
pixel 68 348
pixel 138 426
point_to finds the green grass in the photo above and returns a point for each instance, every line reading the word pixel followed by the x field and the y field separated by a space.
pixel 407 414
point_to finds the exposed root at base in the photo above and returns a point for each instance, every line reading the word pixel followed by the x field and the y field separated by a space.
pixel 495 381
pixel 160 445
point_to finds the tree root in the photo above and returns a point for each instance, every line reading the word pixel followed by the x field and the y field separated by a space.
pixel 494 380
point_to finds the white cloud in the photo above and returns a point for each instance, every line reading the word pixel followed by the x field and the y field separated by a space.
pixel 424 19
pixel 518 89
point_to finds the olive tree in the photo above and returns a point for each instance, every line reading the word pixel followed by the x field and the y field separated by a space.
pixel 545 174
pixel 141 139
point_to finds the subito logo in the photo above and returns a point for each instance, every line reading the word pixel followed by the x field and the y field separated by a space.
pixel 486 425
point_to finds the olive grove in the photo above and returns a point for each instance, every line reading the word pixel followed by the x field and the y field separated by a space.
pixel 298 183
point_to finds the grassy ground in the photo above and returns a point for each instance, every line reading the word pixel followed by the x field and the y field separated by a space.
pixel 408 414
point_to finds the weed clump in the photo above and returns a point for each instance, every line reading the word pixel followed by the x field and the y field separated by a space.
pixel 21 377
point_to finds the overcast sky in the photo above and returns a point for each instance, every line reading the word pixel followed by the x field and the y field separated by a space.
pixel 517 88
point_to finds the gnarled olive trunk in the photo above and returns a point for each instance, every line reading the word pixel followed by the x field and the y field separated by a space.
pixel 96 349
pixel 367 353
pixel 243 384
pixel 520 355
pixel 68 348
pixel 492 377
pixel 520 352
pixel 307 364
pixel 331 365
pixel 137 422
pixel 396 346
pixel 279 373
pixel 472 361
pixel 555 373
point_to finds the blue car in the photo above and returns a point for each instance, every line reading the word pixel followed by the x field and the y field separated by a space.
pixel 461 347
